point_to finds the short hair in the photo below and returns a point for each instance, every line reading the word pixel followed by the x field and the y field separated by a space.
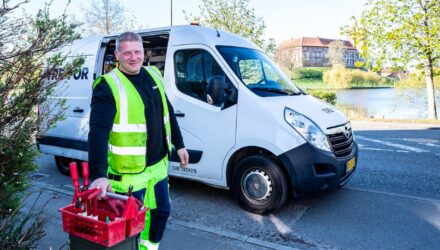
pixel 127 37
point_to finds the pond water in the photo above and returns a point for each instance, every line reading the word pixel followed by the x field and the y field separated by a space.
pixel 392 103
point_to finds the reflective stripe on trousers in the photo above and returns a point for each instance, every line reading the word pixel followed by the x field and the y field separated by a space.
pixel 146 244
pixel 150 186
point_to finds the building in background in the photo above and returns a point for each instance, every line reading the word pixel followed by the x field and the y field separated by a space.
pixel 313 52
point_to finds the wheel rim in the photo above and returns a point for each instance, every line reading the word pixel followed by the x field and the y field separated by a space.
pixel 256 185
pixel 64 162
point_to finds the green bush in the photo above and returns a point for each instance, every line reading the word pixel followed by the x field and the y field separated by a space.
pixel 23 227
pixel 357 77
pixel 339 77
pixel 325 95
pixel 389 81
pixel 308 73
pixel 372 78
pixel 416 80
pixel 24 84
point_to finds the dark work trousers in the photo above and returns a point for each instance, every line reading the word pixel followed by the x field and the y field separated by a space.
pixel 159 215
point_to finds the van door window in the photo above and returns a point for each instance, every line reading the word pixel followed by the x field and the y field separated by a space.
pixel 194 69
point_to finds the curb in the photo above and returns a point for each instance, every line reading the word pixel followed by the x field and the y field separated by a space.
pixel 171 222
pixel 231 235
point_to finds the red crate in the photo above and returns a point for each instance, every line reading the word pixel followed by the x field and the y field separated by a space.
pixel 98 230
pixel 135 225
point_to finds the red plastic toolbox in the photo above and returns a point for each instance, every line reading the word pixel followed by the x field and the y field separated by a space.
pixel 102 229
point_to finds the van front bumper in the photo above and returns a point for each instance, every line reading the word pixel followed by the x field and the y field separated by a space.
pixel 313 171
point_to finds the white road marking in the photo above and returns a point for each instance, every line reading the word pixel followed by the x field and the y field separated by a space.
pixel 391 144
pixel 427 200
pixel 421 140
pixel 430 145
pixel 377 149
pixel 386 150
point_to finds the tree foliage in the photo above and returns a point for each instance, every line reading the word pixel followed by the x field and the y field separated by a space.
pixel 236 17
pixel 286 58
pixel 400 33
pixel 335 53
pixel 106 17
pixel 340 77
pixel 25 71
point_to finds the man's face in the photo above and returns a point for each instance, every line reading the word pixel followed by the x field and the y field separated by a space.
pixel 130 57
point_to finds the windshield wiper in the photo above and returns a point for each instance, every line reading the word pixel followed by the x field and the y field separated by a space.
pixel 278 91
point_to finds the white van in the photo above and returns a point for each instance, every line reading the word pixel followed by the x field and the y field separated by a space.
pixel 245 124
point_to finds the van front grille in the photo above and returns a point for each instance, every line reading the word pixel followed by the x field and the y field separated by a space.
pixel 342 141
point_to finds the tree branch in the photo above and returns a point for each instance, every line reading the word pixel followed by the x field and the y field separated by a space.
pixel 5 9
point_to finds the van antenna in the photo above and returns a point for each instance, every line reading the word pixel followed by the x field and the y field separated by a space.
pixel 218 33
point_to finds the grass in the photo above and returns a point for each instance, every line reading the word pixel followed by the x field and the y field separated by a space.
pixel 353 113
pixel 308 72
pixel 311 84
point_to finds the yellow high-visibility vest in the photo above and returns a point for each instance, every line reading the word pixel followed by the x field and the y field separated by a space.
pixel 128 138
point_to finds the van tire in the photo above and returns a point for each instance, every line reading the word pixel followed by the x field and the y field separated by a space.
pixel 63 164
pixel 272 189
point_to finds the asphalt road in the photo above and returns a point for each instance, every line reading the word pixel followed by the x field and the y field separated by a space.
pixel 399 161
pixel 392 201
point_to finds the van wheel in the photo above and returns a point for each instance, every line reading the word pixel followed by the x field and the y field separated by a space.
pixel 63 164
pixel 259 184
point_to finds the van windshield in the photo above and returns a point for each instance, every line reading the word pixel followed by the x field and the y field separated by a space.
pixel 258 72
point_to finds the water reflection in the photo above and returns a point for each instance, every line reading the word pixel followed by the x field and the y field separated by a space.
pixel 387 102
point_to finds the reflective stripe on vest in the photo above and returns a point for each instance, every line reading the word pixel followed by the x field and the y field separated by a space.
pixel 128 137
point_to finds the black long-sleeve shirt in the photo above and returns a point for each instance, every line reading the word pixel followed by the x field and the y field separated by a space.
pixel 103 111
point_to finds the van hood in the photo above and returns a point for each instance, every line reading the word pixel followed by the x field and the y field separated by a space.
pixel 323 114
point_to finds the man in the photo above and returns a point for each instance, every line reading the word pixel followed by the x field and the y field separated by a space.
pixel 132 125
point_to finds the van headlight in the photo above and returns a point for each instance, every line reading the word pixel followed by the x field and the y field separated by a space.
pixel 307 129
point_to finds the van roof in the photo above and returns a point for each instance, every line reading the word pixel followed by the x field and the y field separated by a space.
pixel 179 35
pixel 194 34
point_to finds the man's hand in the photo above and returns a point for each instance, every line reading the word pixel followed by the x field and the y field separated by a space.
pixel 103 184
pixel 184 157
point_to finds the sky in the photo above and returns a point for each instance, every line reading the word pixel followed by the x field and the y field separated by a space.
pixel 284 19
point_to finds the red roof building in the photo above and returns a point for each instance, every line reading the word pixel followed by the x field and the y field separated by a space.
pixel 313 52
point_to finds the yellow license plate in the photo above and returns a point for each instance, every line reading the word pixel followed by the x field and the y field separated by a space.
pixel 350 164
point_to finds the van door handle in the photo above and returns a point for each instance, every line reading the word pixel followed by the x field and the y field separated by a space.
pixel 179 114
pixel 78 110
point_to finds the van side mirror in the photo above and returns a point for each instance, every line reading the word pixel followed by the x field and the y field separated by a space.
pixel 216 91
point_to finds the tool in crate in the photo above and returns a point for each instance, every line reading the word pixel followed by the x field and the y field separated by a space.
pixel 106 221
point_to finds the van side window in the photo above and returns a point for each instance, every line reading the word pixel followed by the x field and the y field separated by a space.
pixel 194 69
